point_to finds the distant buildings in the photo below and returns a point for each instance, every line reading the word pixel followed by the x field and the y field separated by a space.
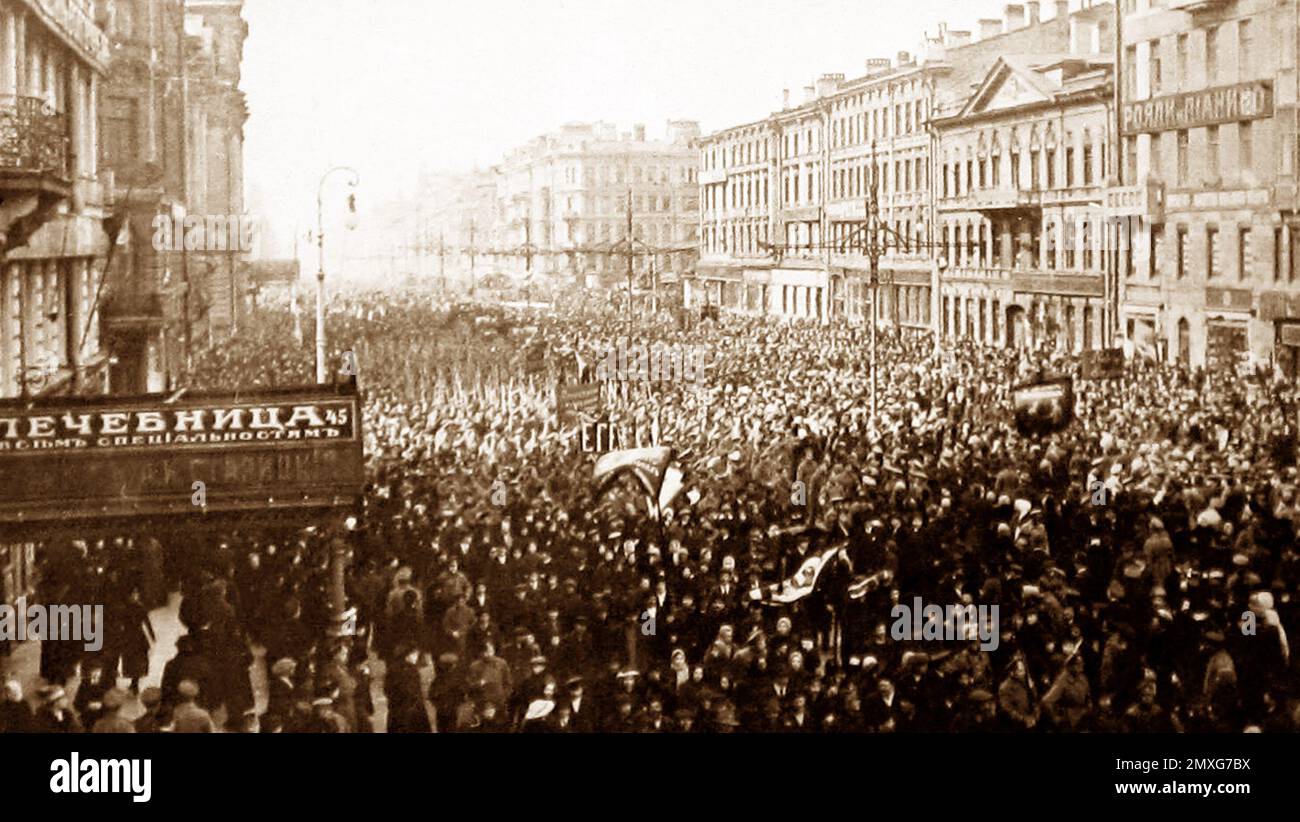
pixel 557 209
pixel 1008 216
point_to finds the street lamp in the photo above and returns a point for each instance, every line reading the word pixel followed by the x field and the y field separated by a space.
pixel 320 273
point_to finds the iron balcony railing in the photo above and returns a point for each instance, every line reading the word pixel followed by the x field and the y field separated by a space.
pixel 33 137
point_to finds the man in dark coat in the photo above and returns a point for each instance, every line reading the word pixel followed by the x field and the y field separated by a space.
pixel 406 710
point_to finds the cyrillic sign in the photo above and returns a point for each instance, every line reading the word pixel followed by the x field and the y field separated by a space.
pixel 1225 104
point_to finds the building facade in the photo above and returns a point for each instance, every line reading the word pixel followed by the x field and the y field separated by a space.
pixel 172 118
pixel 795 246
pixel 53 58
pixel 564 201
pixel 1210 176
pixel 1022 168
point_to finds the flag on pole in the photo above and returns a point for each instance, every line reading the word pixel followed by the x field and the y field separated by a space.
pixel 800 584
pixel 648 465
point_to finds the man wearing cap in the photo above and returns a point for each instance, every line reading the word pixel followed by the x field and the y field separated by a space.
pixel 151 722
pixel 112 722
pixel 188 717
pixel 494 675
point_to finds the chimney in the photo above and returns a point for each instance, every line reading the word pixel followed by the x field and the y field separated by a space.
pixel 828 84
pixel 785 98
pixel 1062 8
pixel 904 58
pixel 877 65
pixel 809 93
pixel 1014 16
pixel 638 132
pixel 990 27
pixel 957 39
pixel 1031 12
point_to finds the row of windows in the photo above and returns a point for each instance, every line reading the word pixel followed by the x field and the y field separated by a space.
pixel 617 174
pixel 878 124
pixel 737 154
pixel 1170 68
pixel 1048 168
pixel 1280 257
pixel 747 237
pixel 853 179
pixel 740 192
pixel 1209 142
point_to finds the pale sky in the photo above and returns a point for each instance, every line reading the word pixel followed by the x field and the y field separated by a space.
pixel 393 86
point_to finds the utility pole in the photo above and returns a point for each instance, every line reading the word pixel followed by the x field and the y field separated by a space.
pixel 872 229
pixel 183 151
pixel 1112 278
pixel 528 258
pixel 442 264
pixel 472 251
pixel 629 262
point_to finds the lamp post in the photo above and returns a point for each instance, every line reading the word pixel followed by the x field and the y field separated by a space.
pixel 320 273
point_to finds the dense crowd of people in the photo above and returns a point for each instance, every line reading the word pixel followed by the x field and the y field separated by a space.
pixel 1143 558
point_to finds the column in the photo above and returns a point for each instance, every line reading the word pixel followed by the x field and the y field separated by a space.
pixel 9 67
pixel 92 130
pixel 1007 252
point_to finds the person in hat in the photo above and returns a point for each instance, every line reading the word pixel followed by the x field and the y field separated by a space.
pixel 111 720
pixel 407 712
pixel 152 721
pixel 493 673
pixel 188 717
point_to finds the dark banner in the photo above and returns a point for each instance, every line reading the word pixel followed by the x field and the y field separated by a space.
pixel 146 456
pixel 1043 407
pixel 581 399
pixel 1106 364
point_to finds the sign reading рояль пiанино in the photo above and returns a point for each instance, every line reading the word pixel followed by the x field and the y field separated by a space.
pixel 146 455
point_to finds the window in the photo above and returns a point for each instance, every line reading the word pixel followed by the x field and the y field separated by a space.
pixel 1243 49
pixel 1130 159
pixel 1245 147
pixel 1211 252
pixel 1211 55
pixel 1015 170
pixel 1157 81
pixel 1069 166
pixel 1157 245
pixel 1243 253
pixel 1277 255
pixel 1033 169
pixel 997 170
pixel 1212 154
pixel 1182 60
pixel 1184 138
pixel 1156 168
pixel 1087 164
pixel 1130 75
pixel 1051 168
pixel 1180 252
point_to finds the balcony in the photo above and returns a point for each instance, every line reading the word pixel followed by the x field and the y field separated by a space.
pixel 33 143
pixel 72 22
pixel 132 309
pixel 1197 5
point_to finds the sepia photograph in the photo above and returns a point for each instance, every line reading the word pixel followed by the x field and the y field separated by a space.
pixel 609 366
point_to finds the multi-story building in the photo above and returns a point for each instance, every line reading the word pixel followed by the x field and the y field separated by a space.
pixel 215 150
pixel 53 56
pixel 1021 176
pixel 1209 117
pixel 172 120
pixel 784 198
pixel 142 310
pixel 563 202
